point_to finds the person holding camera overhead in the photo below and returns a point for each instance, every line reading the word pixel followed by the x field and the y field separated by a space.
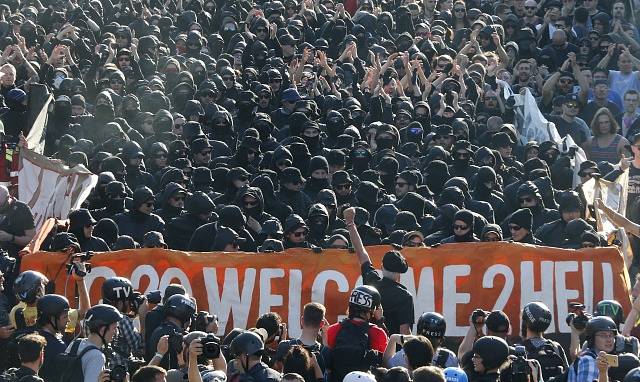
pixel 118 292
pixel 205 349
pixel 178 310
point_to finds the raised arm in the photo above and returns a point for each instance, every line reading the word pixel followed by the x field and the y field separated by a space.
pixel 356 241
pixel 619 219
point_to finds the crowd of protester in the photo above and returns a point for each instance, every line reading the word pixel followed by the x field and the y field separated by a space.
pixel 242 125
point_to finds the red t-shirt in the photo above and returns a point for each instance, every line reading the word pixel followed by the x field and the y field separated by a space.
pixel 377 337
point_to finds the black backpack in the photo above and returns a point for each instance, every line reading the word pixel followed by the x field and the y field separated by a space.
pixel 11 376
pixel 352 350
pixel 442 356
pixel 548 356
pixel 70 362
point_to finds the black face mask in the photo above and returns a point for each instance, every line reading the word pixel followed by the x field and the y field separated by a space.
pixel 384 143
pixel 319 184
pixel 199 76
pixel 63 109
pixel 104 113
pixel 388 180
pixel 130 114
pixel 115 204
pixel 335 127
pixel 312 142
pixel 253 211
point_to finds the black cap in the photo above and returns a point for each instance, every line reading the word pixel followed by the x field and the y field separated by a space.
pixel 200 144
pixel 291 175
pixel 224 236
pixel 341 177
pixel 393 261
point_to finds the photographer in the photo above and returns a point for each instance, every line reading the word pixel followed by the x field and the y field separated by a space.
pixel 536 318
pixel 600 333
pixel 155 316
pixel 118 292
pixel 208 355
pixel 247 349
pixel 490 355
pixel 28 287
pixel 613 309
pixel 178 310
pixel 577 320
pixel 497 324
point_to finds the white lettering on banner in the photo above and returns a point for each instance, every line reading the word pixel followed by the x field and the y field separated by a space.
pixel 424 298
pixel 564 295
pixel 527 287
pixel 449 294
pixel 295 297
pixel 232 299
pixel 320 284
pixel 587 285
pixel 172 274
pixel 148 271
pixel 507 289
pixel 268 300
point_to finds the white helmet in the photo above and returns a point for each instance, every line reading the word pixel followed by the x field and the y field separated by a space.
pixel 359 376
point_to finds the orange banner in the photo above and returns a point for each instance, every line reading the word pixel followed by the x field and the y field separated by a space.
pixel 453 279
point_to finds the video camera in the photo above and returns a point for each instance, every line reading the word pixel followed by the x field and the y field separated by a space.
pixel 577 315
pixel 520 369
pixel 7 263
pixel 117 373
pixel 478 316
pixel 83 257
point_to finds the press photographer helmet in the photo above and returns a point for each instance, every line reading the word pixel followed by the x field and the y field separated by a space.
pixel 50 307
pixel 536 316
pixel 494 351
pixel 599 324
pixel 181 307
pixel 455 374
pixel 364 297
pixel 611 309
pixel 28 284
pixel 116 289
pixel 247 342
pixel 432 325
pixel 101 316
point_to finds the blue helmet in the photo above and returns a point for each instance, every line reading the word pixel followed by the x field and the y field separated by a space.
pixel 455 374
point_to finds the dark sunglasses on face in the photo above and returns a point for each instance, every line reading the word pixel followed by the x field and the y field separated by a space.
pixel 250 204
pixel 401 184
pixel 261 30
pixel 514 227
pixel 276 81
pixel 283 164
pixel 343 186
pixel 243 178
pixel 460 227
pixel 529 8
pixel 299 233
pixel 178 198
pixel 148 204
pixel 264 96
pixel 526 200
pixel 227 78
pixel 460 10
pixel 178 126
pixel 205 153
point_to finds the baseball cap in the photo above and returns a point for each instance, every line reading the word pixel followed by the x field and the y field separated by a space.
pixel 291 95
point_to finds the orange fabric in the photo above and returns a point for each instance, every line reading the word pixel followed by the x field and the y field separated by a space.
pixel 453 279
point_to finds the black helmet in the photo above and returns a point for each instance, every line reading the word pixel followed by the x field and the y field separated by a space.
pixel 116 289
pixel 626 362
pixel 633 375
pixel 27 285
pixel 494 351
pixel 432 325
pixel 536 316
pixel 180 307
pixel 247 342
pixel 52 305
pixel 365 296
pixel 611 309
pixel 101 315
pixel 599 324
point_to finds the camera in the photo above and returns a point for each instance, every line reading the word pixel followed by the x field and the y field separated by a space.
pixel 137 299
pixel 7 263
pixel 577 315
pixel 210 346
pixel 478 316
pixel 73 268
pixel 154 297
pixel 520 368
pixel 117 373
pixel 202 320
pixel 175 342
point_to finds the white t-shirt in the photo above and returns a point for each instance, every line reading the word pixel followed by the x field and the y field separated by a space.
pixel 620 83
pixel 92 362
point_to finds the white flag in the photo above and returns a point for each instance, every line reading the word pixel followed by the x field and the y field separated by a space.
pixel 529 121
pixel 50 188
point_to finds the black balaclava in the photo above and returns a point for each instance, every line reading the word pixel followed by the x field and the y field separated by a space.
pixel 335 124
pixel 437 173
pixel 388 168
pixel 315 184
pixel 467 217
pixel 360 159
pixel 485 181
pixel 318 222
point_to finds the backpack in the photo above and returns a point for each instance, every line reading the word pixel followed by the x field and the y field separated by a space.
pixel 564 376
pixel 352 350
pixel 70 362
pixel 548 356
pixel 10 376
pixel 442 357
